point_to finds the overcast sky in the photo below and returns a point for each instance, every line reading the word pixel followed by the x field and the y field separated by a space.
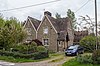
pixel 37 11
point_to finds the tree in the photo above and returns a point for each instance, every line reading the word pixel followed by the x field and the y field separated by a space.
pixel 88 43
pixel 88 24
pixel 57 16
pixel 71 15
pixel 11 33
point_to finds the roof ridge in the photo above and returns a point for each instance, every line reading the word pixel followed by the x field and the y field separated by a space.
pixel 35 22
pixel 33 18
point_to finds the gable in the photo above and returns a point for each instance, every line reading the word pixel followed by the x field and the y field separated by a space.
pixel 35 22
pixel 47 22
pixel 28 24
pixel 31 32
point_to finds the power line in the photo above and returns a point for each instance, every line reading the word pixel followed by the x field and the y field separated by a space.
pixel 29 6
pixel 82 6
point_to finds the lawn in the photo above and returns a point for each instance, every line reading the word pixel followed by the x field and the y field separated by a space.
pixel 73 62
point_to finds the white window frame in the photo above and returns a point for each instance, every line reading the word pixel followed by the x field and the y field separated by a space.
pixel 44 42
pixel 45 30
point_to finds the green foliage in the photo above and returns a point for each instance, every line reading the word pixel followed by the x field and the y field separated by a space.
pixel 73 62
pixel 11 33
pixel 51 52
pixel 26 49
pixel 36 55
pixel 71 15
pixel 96 56
pixel 33 44
pixel 18 60
pixel 88 43
pixel 41 49
pixel 57 16
pixel 87 59
pixel 40 55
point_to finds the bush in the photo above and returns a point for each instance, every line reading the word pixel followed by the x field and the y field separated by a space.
pixel 84 59
pixel 36 55
pixel 40 55
pixel 88 43
pixel 41 49
pixel 96 56
pixel 20 48
pixel 33 44
pixel 26 49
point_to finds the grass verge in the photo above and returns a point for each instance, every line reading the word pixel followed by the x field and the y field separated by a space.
pixel 73 62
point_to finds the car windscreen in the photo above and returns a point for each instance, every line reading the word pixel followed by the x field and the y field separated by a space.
pixel 72 47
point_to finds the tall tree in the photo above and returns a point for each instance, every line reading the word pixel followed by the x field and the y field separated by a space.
pixel 57 16
pixel 11 33
pixel 71 15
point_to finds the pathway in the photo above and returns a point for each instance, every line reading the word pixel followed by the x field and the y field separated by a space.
pixel 41 63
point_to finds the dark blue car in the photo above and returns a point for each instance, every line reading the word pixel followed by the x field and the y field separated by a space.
pixel 74 50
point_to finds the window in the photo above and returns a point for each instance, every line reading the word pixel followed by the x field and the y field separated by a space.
pixel 45 30
pixel 45 41
pixel 59 44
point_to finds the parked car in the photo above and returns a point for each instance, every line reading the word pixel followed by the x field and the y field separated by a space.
pixel 74 50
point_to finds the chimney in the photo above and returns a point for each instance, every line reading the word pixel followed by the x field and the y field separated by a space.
pixel 47 13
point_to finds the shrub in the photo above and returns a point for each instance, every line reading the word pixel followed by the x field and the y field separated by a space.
pixel 20 48
pixel 84 59
pixel 88 43
pixel 32 47
pixel 51 52
pixel 26 49
pixel 41 49
pixel 36 55
pixel 40 55
pixel 33 44
pixel 96 56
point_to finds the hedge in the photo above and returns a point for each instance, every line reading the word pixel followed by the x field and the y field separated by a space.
pixel 96 56
pixel 34 56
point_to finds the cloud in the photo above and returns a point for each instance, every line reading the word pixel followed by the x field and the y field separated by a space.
pixel 37 11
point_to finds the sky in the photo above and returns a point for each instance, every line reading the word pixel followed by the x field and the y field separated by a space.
pixel 60 7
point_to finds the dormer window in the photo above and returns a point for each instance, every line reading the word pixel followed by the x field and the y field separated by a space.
pixel 45 30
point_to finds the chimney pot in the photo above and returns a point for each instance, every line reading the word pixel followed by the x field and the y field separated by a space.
pixel 47 13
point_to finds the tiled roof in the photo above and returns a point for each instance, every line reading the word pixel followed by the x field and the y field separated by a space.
pixel 60 25
pixel 78 35
pixel 35 22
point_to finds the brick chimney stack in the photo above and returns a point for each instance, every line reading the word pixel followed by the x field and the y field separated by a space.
pixel 47 13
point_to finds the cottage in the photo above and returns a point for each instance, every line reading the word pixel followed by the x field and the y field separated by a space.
pixel 31 25
pixel 55 34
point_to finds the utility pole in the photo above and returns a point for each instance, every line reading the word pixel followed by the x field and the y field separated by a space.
pixel 96 24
